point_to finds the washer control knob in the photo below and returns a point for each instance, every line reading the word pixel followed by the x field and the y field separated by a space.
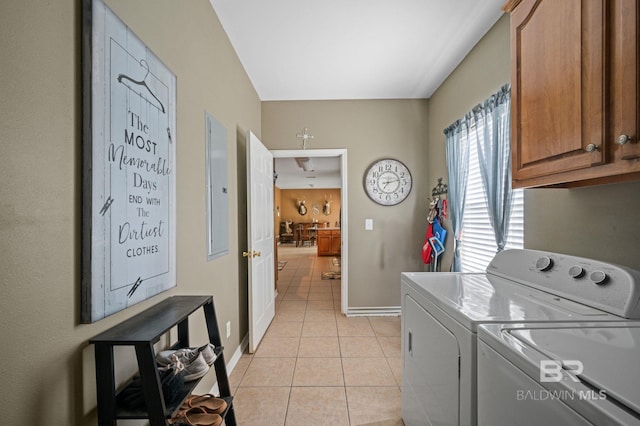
pixel 598 277
pixel 576 271
pixel 544 264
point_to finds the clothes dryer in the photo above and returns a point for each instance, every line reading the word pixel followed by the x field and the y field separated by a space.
pixel 441 313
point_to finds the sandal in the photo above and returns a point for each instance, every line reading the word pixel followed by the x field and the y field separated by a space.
pixel 196 416
pixel 208 402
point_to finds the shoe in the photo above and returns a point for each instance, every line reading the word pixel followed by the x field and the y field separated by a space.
pixel 185 355
pixel 209 402
pixel 196 417
pixel 197 368
pixel 172 380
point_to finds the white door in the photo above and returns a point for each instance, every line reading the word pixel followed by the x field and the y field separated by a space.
pixel 260 251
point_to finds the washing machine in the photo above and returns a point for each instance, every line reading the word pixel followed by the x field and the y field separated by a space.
pixel 559 374
pixel 441 313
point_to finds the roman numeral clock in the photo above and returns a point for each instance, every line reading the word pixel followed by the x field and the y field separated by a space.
pixel 388 182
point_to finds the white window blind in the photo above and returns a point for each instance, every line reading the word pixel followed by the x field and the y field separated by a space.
pixel 478 241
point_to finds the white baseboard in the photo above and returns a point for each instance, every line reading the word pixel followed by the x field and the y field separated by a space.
pixel 386 311
pixel 231 364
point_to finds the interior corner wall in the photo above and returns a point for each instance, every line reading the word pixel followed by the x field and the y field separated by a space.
pixel 482 72
pixel 596 222
pixel 52 381
pixel 369 130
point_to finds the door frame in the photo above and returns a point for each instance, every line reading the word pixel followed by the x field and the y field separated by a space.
pixel 342 154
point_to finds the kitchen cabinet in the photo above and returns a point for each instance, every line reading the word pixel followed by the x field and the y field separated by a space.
pixel 329 242
pixel 574 88
pixel 625 76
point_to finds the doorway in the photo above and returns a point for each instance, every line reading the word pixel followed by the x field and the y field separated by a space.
pixel 341 156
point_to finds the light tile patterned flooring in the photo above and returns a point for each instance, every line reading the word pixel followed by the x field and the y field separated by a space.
pixel 315 366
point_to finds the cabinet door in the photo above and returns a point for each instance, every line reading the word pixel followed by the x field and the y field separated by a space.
pixel 557 51
pixel 335 244
pixel 624 80
pixel 324 243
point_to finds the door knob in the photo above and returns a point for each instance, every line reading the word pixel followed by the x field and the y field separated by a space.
pixel 251 254
pixel 623 139
pixel 591 147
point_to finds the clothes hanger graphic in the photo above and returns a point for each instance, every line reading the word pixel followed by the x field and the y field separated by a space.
pixel 142 83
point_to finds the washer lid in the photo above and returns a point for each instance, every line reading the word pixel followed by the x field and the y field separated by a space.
pixel 610 355
pixel 471 299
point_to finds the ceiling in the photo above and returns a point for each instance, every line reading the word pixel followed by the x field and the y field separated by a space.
pixel 321 172
pixel 353 49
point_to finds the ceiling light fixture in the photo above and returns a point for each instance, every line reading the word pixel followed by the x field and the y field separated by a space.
pixel 304 163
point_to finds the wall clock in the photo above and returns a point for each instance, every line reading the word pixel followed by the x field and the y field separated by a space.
pixel 388 182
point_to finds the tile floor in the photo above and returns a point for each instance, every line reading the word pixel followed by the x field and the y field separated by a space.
pixel 314 365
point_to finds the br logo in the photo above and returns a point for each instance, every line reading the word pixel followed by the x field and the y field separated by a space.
pixel 551 370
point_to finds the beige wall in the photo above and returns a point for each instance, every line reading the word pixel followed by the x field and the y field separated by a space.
pixel 312 197
pixel 48 376
pixel 277 202
pixel 485 69
pixel 597 222
pixel 369 130
pixel 48 372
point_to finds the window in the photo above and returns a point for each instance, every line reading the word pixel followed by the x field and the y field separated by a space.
pixel 478 240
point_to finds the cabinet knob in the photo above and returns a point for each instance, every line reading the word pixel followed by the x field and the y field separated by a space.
pixel 623 139
pixel 591 147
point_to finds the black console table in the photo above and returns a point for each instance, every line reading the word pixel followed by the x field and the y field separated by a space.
pixel 143 331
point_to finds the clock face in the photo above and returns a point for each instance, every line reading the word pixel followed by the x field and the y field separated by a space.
pixel 387 182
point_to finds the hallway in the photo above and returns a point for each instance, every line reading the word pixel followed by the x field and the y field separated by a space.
pixel 314 365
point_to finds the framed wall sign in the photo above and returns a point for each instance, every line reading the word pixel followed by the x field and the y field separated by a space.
pixel 129 175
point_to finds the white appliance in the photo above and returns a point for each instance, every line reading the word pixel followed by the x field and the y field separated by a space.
pixel 559 373
pixel 441 313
